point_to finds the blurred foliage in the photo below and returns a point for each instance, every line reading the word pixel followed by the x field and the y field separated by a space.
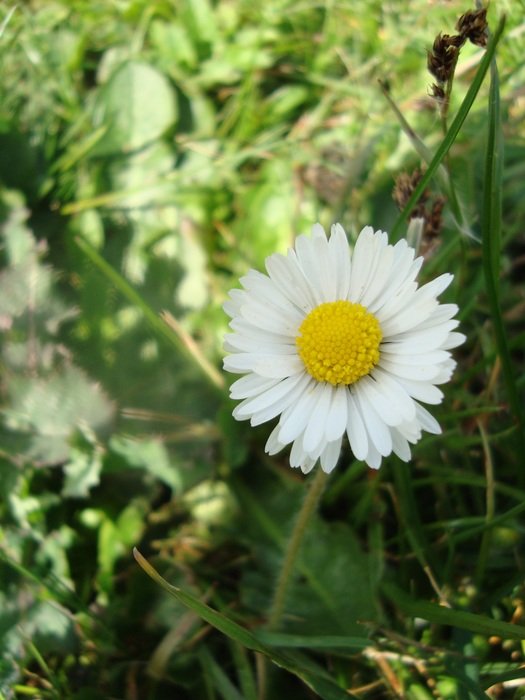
pixel 186 141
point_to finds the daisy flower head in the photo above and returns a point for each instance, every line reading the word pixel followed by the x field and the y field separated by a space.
pixel 338 342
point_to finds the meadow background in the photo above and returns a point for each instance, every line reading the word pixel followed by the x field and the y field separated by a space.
pixel 150 153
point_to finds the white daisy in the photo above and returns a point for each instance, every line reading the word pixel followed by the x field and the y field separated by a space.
pixel 335 342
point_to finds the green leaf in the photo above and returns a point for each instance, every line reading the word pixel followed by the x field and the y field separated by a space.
pixel 455 618
pixel 48 410
pixel 335 591
pixel 82 472
pixel 178 337
pixel 220 680
pixel 115 538
pixel 304 641
pixel 491 238
pixel 137 106
pixel 501 677
pixel 19 242
pixel 150 455
pixel 334 586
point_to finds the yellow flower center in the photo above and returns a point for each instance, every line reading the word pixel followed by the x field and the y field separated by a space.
pixel 339 342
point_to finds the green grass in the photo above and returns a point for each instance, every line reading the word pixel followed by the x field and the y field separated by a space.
pixel 150 154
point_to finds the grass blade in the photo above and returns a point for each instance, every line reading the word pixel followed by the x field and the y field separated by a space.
pixel 166 329
pixel 324 687
pixel 440 615
pixel 491 250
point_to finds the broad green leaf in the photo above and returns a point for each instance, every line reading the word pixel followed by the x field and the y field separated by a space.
pixel 173 44
pixel 199 23
pixel 82 471
pixel 150 455
pixel 115 538
pixel 334 593
pixel 137 106
pixel 18 240
pixel 211 503
pixel 48 410
pixel 51 629
pixel 333 589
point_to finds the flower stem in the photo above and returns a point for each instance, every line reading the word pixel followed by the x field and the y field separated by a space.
pixel 307 509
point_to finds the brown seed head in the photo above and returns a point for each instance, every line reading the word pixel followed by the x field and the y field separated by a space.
pixel 404 185
pixel 473 26
pixel 437 92
pixel 442 59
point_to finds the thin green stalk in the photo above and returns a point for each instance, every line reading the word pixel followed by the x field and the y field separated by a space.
pixel 491 251
pixel 172 332
pixel 490 507
pixel 453 130
pixel 303 517
pixel 412 526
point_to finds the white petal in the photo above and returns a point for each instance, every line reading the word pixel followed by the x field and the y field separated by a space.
pixel 276 366
pixel 417 372
pixel 378 432
pixel 418 341
pixel 295 419
pixel 298 456
pixel 362 261
pixel 316 428
pixel 415 311
pixel 393 394
pixel 379 275
pixel 330 455
pixel 445 372
pixel 394 304
pixel 337 416
pixel 422 391
pixel 262 289
pixel 453 341
pixel 380 402
pixel 273 446
pixel 403 272
pixel 281 403
pixel 318 231
pixel 275 393
pixel 400 446
pixel 250 385
pixel 422 358
pixel 339 253
pixel 239 342
pixel 373 458
pixel 355 429
pixel 307 465
pixel 270 318
pixel 312 254
pixel 243 327
pixel 232 305
pixel 287 276
pixel 427 421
